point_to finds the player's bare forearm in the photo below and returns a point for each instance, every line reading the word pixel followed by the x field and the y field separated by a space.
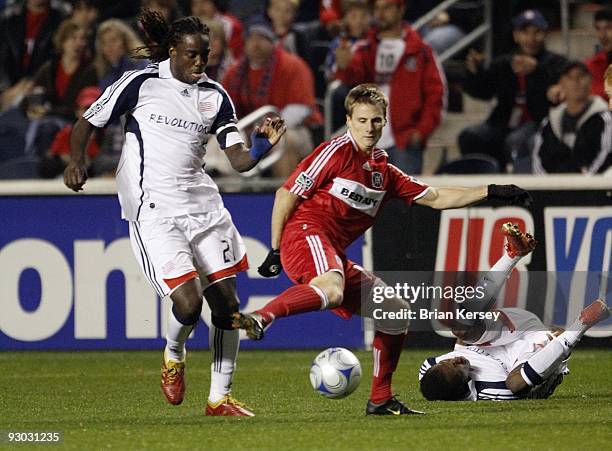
pixel 447 198
pixel 240 158
pixel 79 137
pixel 285 204
pixel 75 174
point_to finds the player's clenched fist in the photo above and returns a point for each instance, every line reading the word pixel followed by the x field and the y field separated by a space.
pixel 75 176
pixel 510 193
pixel 272 264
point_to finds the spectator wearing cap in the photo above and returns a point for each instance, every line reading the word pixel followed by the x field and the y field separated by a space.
pixel 208 10
pixel 269 75
pixel 576 136
pixel 53 163
pixel 394 56
pixel 598 63
pixel 519 82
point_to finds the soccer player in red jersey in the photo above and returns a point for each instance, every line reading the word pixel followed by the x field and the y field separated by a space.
pixel 332 197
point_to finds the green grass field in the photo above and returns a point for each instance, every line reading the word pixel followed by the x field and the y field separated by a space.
pixel 112 400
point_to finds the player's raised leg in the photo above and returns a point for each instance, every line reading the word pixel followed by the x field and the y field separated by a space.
pixel 224 343
pixel 518 245
pixel 312 259
pixel 546 361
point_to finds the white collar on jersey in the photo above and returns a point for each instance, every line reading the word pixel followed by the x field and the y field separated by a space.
pixel 165 72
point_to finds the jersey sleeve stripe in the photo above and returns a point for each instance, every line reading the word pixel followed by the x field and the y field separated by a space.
pixel 122 83
pixel 318 163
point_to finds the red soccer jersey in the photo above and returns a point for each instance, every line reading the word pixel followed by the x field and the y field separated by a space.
pixel 344 189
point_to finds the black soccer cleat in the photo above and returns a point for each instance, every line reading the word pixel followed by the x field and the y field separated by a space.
pixel 252 323
pixel 392 406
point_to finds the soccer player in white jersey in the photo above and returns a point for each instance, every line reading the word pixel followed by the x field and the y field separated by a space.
pixel 510 358
pixel 332 197
pixel 181 234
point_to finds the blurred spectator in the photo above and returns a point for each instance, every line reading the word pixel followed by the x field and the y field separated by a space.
pixel 63 77
pixel 356 18
pixel 86 13
pixel 268 75
pixel 598 63
pixel 58 83
pixel 330 13
pixel 282 14
pixel 395 57
pixel 576 136
pixel 208 10
pixel 220 57
pixel 519 83
pixel 57 157
pixel 114 42
pixel 26 33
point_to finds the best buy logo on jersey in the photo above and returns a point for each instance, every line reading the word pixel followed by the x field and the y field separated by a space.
pixel 356 195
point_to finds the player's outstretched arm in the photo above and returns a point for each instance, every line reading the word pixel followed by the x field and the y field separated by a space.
pixel 285 204
pixel 457 197
pixel 445 198
pixel 75 174
pixel 263 138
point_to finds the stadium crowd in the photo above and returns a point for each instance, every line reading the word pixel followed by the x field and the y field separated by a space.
pixel 550 116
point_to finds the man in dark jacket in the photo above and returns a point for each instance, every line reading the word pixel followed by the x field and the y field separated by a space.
pixel 519 83
pixel 576 136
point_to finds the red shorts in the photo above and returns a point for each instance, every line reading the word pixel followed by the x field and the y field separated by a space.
pixel 306 254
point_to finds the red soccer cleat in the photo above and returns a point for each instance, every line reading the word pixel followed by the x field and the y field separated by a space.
pixel 173 381
pixel 596 312
pixel 518 243
pixel 227 407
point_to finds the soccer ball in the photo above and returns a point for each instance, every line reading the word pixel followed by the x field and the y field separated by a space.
pixel 335 373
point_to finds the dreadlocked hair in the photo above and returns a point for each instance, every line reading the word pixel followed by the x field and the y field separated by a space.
pixel 160 36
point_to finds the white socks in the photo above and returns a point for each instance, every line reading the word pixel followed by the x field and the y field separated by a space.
pixel 224 346
pixel 175 338
pixel 493 280
pixel 546 362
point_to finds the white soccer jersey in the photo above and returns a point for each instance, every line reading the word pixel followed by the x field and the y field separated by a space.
pixel 168 123
pixel 519 339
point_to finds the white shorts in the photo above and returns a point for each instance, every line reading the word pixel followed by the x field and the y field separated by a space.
pixel 172 250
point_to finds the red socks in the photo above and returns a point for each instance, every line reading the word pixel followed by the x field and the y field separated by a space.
pixel 386 350
pixel 294 300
